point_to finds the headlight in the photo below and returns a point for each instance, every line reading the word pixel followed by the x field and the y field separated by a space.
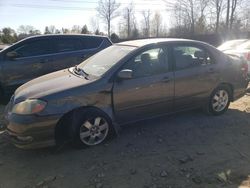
pixel 30 106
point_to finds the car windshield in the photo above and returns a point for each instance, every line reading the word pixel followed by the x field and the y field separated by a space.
pixel 230 44
pixel 101 62
pixel 244 46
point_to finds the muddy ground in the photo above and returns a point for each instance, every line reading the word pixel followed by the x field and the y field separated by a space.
pixel 188 149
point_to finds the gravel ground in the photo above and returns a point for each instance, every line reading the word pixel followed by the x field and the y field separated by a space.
pixel 188 149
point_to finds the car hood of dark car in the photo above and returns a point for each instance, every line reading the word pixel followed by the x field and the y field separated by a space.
pixel 49 84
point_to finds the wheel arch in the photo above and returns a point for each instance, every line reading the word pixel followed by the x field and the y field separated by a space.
pixel 230 87
pixel 62 128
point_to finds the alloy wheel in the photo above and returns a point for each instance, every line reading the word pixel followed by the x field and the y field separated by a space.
pixel 94 131
pixel 220 100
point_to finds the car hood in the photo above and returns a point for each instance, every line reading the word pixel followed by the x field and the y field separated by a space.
pixel 49 84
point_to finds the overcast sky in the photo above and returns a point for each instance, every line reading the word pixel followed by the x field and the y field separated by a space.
pixel 64 13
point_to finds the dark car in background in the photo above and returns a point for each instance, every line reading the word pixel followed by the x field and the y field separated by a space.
pixel 123 83
pixel 39 55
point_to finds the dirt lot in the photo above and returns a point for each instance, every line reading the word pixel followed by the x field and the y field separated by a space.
pixel 184 150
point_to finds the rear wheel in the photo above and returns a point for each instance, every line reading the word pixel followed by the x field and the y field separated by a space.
pixel 219 100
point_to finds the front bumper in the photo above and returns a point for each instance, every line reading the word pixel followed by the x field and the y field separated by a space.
pixel 30 132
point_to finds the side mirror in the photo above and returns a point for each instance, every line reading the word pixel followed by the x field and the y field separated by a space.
pixel 125 74
pixel 12 55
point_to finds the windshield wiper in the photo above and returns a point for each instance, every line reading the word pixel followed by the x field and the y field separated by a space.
pixel 80 71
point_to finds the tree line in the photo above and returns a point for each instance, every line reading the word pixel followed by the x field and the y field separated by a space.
pixel 186 17
pixel 210 16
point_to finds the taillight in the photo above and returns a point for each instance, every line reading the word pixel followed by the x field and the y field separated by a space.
pixel 247 56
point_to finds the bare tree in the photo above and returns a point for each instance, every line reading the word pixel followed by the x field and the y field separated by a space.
pixel 65 30
pixel 76 29
pixel 246 18
pixel 146 20
pixel 228 13
pixel 157 23
pixel 233 8
pixel 203 4
pixel 185 13
pixel 26 29
pixel 218 6
pixel 129 17
pixel 94 23
pixel 50 29
pixel 135 31
pixel 192 15
pixel 107 10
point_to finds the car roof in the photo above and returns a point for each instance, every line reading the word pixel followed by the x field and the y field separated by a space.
pixel 143 42
pixel 64 35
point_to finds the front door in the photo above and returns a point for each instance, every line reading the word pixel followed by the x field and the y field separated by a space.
pixel 149 92
pixel 34 59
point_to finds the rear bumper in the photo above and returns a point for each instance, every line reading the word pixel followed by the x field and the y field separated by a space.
pixel 30 132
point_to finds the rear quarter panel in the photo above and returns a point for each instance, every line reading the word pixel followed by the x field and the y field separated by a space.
pixel 231 73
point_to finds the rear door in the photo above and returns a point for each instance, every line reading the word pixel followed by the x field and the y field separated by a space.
pixel 195 75
pixel 33 61
pixel 71 51
pixel 151 90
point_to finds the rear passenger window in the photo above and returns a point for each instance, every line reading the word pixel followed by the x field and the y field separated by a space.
pixel 190 56
pixel 67 45
pixel 74 44
pixel 91 42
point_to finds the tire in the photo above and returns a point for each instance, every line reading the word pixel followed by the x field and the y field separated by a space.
pixel 219 100
pixel 90 128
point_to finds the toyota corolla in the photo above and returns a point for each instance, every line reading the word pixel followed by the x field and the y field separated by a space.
pixel 126 82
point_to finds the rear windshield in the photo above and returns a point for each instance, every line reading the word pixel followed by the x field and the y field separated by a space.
pixel 101 62
pixel 91 42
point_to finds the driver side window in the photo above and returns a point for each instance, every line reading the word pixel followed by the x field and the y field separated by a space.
pixel 148 63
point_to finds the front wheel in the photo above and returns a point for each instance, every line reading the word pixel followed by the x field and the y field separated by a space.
pixel 219 100
pixel 93 129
